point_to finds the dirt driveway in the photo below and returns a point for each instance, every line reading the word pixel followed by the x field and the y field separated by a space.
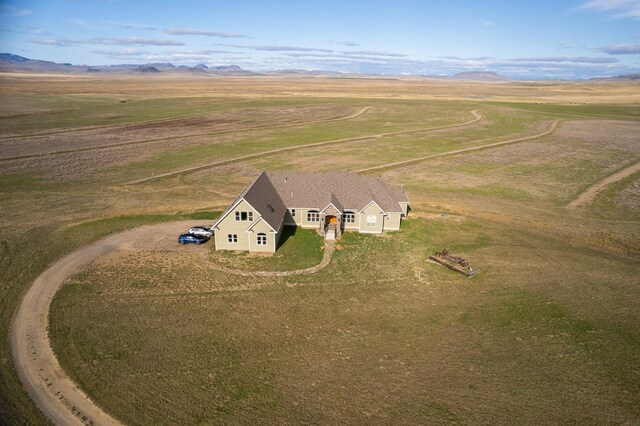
pixel 52 390
pixel 591 192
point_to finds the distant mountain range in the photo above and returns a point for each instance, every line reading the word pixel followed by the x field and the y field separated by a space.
pixel 479 76
pixel 626 77
pixel 15 63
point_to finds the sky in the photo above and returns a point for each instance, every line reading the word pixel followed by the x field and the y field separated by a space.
pixel 543 39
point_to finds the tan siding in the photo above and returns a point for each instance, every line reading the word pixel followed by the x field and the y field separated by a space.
pixel 405 208
pixel 392 222
pixel 303 219
pixel 252 236
pixel 229 225
pixel 356 224
pixel 371 209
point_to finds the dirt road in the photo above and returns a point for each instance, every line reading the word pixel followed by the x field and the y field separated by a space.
pixel 590 193
pixel 475 113
pixel 52 390
pixel 550 130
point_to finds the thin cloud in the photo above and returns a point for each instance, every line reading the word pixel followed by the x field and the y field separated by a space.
pixel 347 43
pixel 81 23
pixel 207 33
pixel 56 42
pixel 10 10
pixel 133 26
pixel 126 41
pixel 619 8
pixel 121 52
pixel 621 49
pixel 199 52
pixel 576 59
pixel 39 31
pixel 279 48
pixel 177 31
pixel 376 53
pixel 138 41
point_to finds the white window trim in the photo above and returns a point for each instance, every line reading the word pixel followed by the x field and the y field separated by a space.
pixel 231 238
pixel 349 215
pixel 316 216
pixel 371 224
pixel 248 214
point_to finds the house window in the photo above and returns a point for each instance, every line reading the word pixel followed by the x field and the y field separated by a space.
pixel 313 216
pixel 244 216
pixel 232 238
pixel 293 212
pixel 349 217
pixel 262 239
pixel 371 220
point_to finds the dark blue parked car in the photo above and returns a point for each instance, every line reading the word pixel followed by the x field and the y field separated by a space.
pixel 192 239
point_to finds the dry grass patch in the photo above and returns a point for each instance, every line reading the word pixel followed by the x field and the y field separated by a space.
pixel 363 339
pixel 161 337
pixel 550 170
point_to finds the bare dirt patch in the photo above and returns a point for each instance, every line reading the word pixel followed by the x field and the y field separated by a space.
pixel 229 121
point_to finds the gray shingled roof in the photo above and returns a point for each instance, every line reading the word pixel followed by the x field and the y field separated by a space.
pixel 272 192
pixel 349 189
pixel 263 197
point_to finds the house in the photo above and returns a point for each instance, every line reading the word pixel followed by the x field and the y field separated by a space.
pixel 331 202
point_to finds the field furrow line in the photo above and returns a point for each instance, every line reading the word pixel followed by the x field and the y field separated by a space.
pixel 193 135
pixel 591 192
pixel 475 113
pixel 403 163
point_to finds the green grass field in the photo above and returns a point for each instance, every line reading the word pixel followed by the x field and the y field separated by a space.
pixel 547 333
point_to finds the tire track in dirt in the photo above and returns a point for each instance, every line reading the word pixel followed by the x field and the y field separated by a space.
pixel 193 135
pixel 475 113
pixel 124 126
pixel 99 127
pixel 57 396
pixel 591 192
pixel 550 130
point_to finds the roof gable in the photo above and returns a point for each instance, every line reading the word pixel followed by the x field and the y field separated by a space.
pixel 369 203
pixel 231 208
pixel 264 199
pixel 256 222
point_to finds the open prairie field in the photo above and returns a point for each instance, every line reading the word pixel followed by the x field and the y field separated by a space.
pixel 536 184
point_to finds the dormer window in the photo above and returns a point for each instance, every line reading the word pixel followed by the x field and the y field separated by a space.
pixel 244 216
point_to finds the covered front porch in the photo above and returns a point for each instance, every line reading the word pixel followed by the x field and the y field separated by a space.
pixel 330 224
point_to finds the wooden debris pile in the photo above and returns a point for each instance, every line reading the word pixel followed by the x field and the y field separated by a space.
pixel 455 263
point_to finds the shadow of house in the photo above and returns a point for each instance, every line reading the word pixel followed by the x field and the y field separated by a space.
pixel 288 232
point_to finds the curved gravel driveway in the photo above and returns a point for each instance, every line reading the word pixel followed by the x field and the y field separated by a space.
pixel 52 390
